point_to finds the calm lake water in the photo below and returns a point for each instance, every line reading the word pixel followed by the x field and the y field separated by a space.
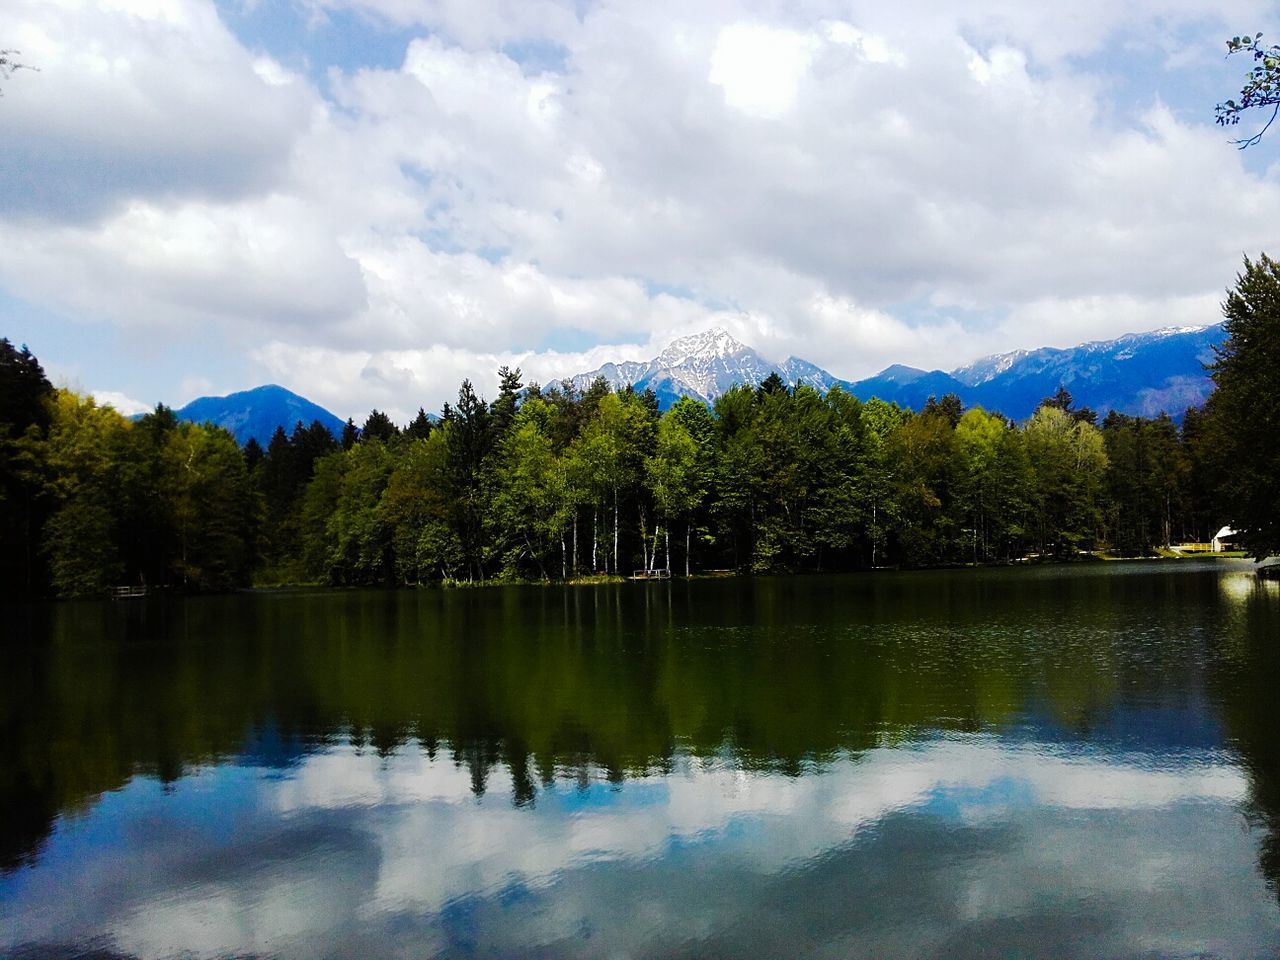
pixel 1056 762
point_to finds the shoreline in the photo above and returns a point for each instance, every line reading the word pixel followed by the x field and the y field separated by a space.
pixel 1091 557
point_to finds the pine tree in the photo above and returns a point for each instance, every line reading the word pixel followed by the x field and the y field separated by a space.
pixel 350 434
pixel 25 395
pixel 379 427
pixel 253 454
pixel 1245 407
pixel 420 427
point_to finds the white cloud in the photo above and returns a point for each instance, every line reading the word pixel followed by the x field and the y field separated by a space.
pixel 125 405
pixel 1030 827
pixel 760 68
pixel 615 173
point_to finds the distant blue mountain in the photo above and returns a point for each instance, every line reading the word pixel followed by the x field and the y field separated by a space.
pixel 1140 373
pixel 907 386
pixel 257 412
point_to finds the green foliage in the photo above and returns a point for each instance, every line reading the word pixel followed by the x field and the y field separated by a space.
pixel 213 508
pixel 358 533
pixel 552 484
pixel 1261 89
pixel 529 504
pixel 420 427
pixel 80 536
pixel 1147 483
pixel 378 426
pixel 1244 410
pixel 350 434
pixel 25 394
pixel 1069 461
pixel 676 476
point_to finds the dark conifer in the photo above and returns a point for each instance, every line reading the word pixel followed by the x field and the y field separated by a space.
pixel 253 454
pixel 379 427
pixel 420 427
pixel 350 434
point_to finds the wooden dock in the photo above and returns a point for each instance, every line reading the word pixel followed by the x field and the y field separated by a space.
pixel 662 574
pixel 128 593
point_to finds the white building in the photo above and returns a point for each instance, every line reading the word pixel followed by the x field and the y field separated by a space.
pixel 1224 539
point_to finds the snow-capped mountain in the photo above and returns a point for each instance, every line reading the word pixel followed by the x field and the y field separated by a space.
pixel 1068 360
pixel 1139 373
pixel 703 366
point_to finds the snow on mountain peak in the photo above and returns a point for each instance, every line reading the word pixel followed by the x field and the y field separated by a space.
pixel 714 344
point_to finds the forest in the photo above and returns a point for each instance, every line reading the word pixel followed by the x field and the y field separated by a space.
pixel 557 484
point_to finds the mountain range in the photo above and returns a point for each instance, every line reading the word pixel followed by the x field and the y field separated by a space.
pixel 1139 373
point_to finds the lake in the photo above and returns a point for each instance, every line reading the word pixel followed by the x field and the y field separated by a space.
pixel 1075 761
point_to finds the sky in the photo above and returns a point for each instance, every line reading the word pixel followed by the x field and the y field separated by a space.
pixel 367 200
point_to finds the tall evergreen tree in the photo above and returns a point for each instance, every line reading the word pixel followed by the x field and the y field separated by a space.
pixel 253 454
pixel 25 404
pixel 379 426
pixel 350 434
pixel 1245 407
pixel 420 427
pixel 468 442
pixel 502 412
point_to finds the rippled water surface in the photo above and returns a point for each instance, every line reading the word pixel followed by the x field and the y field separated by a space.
pixel 1056 762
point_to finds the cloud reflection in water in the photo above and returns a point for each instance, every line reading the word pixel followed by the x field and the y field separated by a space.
pixel 955 846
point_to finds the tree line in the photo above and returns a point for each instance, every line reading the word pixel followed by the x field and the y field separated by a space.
pixel 557 484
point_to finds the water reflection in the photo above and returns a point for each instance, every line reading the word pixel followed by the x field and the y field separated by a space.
pixel 1079 763
pixel 380 853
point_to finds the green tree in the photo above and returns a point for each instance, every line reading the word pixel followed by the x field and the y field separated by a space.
pixel 736 465
pixel 1202 516
pixel 840 515
pixel 1069 460
pixel 379 426
pixel 468 439
pixel 978 439
pixel 317 540
pixel 253 454
pixel 350 434
pixel 420 427
pixel 1146 480
pixel 80 535
pixel 145 481
pixel 878 481
pixel 674 477
pixel 923 449
pixel 25 413
pixel 418 510
pixel 609 456
pixel 502 412
pixel 213 508
pixel 529 508
pixel 359 534
pixel 1245 407
pixel 1261 89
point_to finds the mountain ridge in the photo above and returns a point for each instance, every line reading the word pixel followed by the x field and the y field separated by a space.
pixel 1137 373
